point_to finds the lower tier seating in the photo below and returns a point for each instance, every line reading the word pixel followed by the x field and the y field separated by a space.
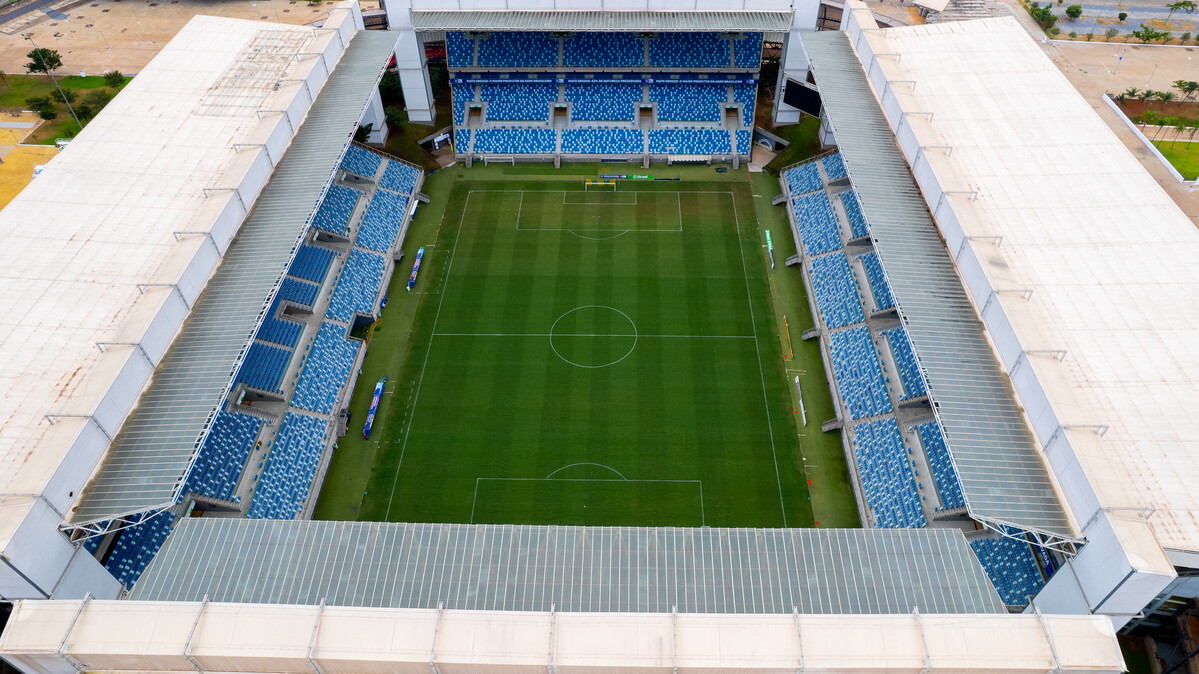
pixel 817 223
pixel 382 221
pixel 858 373
pixel 949 487
pixel 885 471
pixel 603 101
pixel 1012 568
pixel 264 367
pixel 857 222
pixel 358 286
pixel 834 167
pixel 746 94
pixel 333 215
pixel 361 161
pixel 285 482
pixel 803 178
pixel 463 94
pixel 326 370
pixel 518 101
pixel 744 138
pixel 311 263
pixel 223 455
pixel 300 292
pixel 690 141
pixel 279 330
pixel 880 290
pixel 905 360
pixel 136 546
pixel 689 102
pixel 603 141
pixel 515 140
pixel 399 177
pixel 837 296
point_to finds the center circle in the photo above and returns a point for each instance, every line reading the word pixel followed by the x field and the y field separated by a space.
pixel 593 336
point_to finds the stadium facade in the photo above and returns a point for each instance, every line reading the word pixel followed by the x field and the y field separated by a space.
pixel 223 237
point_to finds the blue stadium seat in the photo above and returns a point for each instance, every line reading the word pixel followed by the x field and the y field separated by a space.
pixel 518 101
pixel 949 487
pixel 279 330
pixel 399 177
pixel 603 50
pixel 326 370
pixel 312 263
pixel 1012 568
pixel 803 178
pixel 746 95
pixel 300 292
pixel 747 51
pixel 223 455
pixel 361 161
pixel 689 102
pixel 857 221
pixel 381 222
pixel 689 50
pixel 690 141
pixel 518 50
pixel 290 467
pixel 509 141
pixel 463 94
pixel 603 101
pixel 880 290
pixel 358 286
pixel 858 373
pixel 905 360
pixel 834 167
pixel 886 475
pixel 333 214
pixel 603 141
pixel 135 546
pixel 744 139
pixel 264 367
pixel 817 223
pixel 459 50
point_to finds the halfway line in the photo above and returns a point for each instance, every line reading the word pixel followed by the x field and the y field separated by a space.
pixel 580 334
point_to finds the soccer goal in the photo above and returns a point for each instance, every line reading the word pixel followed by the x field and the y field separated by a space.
pixel 606 185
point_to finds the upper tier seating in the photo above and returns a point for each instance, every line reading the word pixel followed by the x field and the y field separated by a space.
pixel 605 101
pixel 745 95
pixel 817 223
pixel 509 141
pixel 223 455
pixel 747 51
pixel 857 222
pixel 312 263
pixel 279 330
pixel 264 367
pixel 136 546
pixel 300 292
pixel 803 178
pixel 603 141
pixel 690 141
pixel 381 223
pixel 518 101
pixel 949 487
pixel 333 215
pixel 326 371
pixel 357 286
pixel 463 93
pixel 361 161
pixel 518 50
pixel 689 102
pixel 905 360
pixel 838 298
pixel 689 50
pixel 744 139
pixel 1012 568
pixel 290 467
pixel 399 177
pixel 886 475
pixel 603 50
pixel 858 373
pixel 879 288
pixel 834 167
pixel 459 51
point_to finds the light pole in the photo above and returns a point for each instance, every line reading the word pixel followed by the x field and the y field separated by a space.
pixel 29 36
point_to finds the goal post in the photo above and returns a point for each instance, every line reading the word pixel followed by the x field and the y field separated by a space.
pixel 599 184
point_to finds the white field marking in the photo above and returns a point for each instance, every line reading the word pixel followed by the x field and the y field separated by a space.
pixel 597 203
pixel 586 463
pixel 584 334
pixel 761 373
pixel 599 238
pixel 593 306
pixel 520 209
pixel 475 500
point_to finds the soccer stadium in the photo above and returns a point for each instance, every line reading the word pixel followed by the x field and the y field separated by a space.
pixel 601 395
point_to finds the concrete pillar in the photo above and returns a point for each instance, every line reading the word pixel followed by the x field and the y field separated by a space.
pixel 377 119
pixel 794 62
pixel 410 63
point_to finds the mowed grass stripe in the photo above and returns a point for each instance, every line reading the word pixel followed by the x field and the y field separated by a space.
pixel 685 408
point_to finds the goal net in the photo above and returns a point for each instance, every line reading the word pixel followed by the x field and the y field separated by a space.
pixel 606 185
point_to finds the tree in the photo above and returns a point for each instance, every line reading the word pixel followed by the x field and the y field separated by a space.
pixel 64 96
pixel 1180 125
pixel 4 79
pixel 42 60
pixel 1149 118
pixel 1165 96
pixel 114 78
pixel 1149 34
pixel 1187 6
pixel 37 103
pixel 1074 11
pixel 1122 16
pixel 1111 33
pixel 390 89
pixel 363 131
pixel 1131 92
pixel 1186 88
pixel 1042 14
pixel 47 114
pixel 395 116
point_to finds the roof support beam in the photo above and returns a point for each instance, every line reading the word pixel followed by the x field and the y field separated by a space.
pixel 187 645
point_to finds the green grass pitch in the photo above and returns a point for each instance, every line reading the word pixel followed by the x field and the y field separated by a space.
pixel 588 357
